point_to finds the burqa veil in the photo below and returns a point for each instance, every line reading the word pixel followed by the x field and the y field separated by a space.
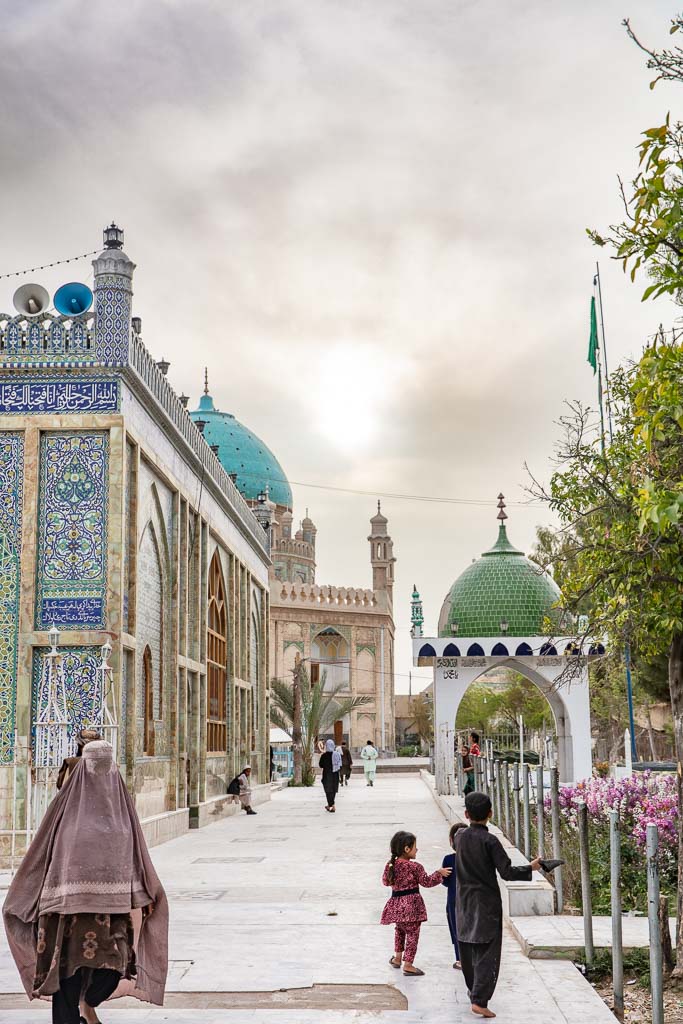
pixel 88 856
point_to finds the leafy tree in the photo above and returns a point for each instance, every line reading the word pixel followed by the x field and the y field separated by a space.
pixel 320 709
pixel 629 549
pixel 422 710
pixel 478 708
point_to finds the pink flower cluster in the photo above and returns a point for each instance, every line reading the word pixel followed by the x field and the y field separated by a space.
pixel 642 798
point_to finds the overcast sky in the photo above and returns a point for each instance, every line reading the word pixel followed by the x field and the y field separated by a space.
pixel 367 218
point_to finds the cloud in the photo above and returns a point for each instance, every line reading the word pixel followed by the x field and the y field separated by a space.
pixel 366 218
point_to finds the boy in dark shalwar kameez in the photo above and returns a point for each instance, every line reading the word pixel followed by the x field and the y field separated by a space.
pixel 479 909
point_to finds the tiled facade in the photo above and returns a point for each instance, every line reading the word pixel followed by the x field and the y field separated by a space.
pixel 112 510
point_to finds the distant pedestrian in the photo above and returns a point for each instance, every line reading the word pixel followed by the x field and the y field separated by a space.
pixel 85 883
pixel 468 769
pixel 240 790
pixel 405 908
pixel 347 765
pixel 69 763
pixel 369 757
pixel 330 776
pixel 479 911
pixel 451 884
pixel 474 744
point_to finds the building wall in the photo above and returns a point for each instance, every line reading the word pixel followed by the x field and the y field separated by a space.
pixel 111 508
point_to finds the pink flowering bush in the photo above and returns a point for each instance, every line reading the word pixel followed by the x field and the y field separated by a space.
pixel 644 797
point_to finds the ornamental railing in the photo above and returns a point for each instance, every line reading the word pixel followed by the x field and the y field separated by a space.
pixel 312 594
pixel 34 340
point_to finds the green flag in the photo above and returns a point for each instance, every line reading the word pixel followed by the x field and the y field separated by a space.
pixel 593 342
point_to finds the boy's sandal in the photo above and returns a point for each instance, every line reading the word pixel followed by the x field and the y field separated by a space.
pixel 415 973
pixel 394 964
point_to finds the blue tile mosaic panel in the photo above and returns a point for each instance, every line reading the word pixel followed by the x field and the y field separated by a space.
pixel 79 666
pixel 72 531
pixel 11 498
pixel 59 395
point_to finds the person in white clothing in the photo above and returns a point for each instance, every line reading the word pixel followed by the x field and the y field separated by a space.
pixel 369 755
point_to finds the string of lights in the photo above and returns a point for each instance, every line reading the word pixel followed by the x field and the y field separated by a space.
pixel 46 266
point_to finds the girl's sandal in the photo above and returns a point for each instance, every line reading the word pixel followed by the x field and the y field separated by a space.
pixel 457 966
pixel 394 964
pixel 415 973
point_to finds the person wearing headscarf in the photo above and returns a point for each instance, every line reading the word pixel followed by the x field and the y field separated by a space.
pixel 69 763
pixel 86 916
pixel 240 789
pixel 347 765
pixel 330 777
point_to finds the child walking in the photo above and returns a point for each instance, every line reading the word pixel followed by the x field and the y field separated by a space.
pixel 405 908
pixel 451 883
pixel 479 910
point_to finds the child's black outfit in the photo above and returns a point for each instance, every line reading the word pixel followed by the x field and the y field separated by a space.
pixel 479 909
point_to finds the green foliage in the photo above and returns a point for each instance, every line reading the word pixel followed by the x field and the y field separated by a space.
pixel 321 707
pixel 408 751
pixel 489 709
pixel 422 711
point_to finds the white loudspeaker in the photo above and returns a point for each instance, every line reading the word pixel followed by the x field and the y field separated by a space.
pixel 31 299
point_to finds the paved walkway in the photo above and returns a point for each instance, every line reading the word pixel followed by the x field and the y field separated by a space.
pixel 293 900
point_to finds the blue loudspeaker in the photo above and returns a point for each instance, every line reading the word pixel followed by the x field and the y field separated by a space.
pixel 73 299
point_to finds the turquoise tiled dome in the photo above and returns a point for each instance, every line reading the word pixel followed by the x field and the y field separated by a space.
pixel 243 453
pixel 501 586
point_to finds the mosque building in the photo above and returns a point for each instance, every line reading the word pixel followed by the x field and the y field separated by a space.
pixel 343 633
pixel 134 575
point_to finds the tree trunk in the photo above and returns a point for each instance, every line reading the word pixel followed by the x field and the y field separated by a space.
pixel 650 734
pixel 667 952
pixel 676 691
pixel 296 725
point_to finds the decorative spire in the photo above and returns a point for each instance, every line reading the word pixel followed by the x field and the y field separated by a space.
pixel 379 507
pixel 206 380
pixel 502 515
pixel 416 616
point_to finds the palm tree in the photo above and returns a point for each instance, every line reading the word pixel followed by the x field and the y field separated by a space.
pixel 320 709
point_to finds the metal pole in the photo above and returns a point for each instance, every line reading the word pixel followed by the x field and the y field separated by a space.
pixel 557 844
pixel 484 775
pixel 521 740
pixel 656 981
pixel 383 729
pixel 540 811
pixel 506 797
pixel 499 796
pixel 604 350
pixel 617 946
pixel 515 797
pixel 586 901
pixel 629 694
pixel 461 776
pixel 527 811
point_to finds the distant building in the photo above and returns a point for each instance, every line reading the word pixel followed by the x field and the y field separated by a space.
pixel 345 632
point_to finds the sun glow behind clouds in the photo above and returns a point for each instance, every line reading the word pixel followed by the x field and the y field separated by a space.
pixel 353 383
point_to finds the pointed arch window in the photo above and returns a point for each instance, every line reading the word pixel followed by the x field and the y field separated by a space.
pixel 217 663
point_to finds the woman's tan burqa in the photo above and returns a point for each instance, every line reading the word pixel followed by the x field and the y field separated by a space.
pixel 89 856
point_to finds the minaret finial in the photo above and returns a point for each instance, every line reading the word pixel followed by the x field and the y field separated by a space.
pixel 206 380
pixel 502 515
pixel 379 507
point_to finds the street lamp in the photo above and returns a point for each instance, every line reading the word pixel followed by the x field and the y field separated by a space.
pixel 504 626
pixel 455 626
pixel 105 651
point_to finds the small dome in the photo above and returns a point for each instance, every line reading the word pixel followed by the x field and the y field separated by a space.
pixel 500 587
pixel 243 453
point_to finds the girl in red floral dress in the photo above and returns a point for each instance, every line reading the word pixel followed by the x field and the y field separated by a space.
pixel 406 909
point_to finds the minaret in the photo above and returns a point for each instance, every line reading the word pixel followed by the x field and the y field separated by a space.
pixel 416 613
pixel 113 294
pixel 381 553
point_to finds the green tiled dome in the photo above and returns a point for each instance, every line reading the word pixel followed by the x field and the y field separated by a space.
pixel 501 586
pixel 244 454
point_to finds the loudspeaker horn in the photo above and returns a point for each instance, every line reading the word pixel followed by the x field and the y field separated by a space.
pixel 31 299
pixel 73 298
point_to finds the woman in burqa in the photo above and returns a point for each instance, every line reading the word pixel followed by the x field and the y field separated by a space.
pixel 85 895
pixel 330 762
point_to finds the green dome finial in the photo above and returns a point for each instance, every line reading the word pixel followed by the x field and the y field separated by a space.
pixel 502 588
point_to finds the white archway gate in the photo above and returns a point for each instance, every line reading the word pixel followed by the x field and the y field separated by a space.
pixel 561 678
